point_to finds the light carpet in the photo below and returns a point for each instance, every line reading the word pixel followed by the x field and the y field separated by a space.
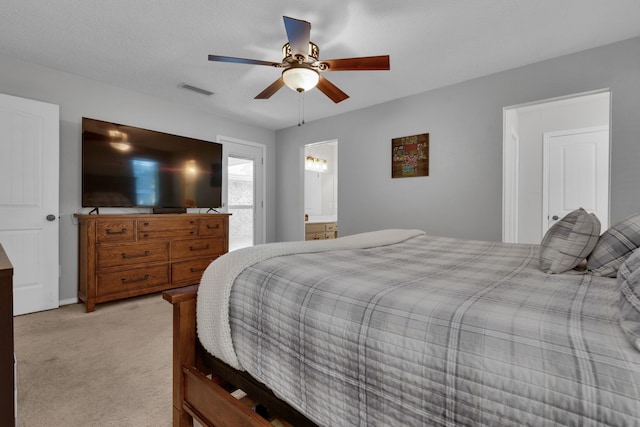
pixel 111 367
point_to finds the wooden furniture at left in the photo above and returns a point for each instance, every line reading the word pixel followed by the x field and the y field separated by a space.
pixel 121 256
pixel 7 378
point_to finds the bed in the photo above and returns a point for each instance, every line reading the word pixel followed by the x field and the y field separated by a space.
pixel 400 328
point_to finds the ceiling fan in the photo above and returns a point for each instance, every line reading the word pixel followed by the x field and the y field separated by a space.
pixel 302 67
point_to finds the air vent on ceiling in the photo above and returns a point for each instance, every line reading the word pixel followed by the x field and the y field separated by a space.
pixel 195 89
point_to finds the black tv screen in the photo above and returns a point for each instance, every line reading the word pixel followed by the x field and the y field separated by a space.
pixel 126 166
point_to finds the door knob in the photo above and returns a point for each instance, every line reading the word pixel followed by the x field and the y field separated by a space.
pixel 51 217
pixel 555 217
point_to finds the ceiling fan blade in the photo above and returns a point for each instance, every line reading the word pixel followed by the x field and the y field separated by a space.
pixel 358 64
pixel 331 90
pixel 298 34
pixel 269 91
pixel 242 60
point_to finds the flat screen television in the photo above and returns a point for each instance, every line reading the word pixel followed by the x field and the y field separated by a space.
pixel 126 166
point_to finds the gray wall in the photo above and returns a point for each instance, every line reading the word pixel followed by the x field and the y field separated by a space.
pixel 462 197
pixel 78 97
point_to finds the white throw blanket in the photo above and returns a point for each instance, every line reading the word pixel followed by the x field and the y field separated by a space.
pixel 212 311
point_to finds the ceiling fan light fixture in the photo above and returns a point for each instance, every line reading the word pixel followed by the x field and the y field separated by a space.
pixel 300 79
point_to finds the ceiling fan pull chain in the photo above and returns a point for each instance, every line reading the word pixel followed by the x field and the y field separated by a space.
pixel 300 108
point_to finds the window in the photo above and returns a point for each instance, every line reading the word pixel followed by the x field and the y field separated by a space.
pixel 241 202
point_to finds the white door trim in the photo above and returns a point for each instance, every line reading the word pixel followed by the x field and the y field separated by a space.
pixel 510 168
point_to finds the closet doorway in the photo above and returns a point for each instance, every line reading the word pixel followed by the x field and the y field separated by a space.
pixel 555 159
pixel 321 184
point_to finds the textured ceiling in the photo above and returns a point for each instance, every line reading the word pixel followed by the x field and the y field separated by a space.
pixel 152 46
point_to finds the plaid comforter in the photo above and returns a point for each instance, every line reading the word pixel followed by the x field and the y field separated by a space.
pixel 436 331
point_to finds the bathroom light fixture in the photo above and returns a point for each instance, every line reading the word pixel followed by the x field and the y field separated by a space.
pixel 316 164
pixel 309 162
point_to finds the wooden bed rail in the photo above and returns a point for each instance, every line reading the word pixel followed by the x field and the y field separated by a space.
pixel 205 400
pixel 198 396
pixel 194 394
pixel 184 346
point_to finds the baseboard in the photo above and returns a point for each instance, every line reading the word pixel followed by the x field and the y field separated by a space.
pixel 68 301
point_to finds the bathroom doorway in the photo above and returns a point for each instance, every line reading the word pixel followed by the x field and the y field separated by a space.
pixel 321 189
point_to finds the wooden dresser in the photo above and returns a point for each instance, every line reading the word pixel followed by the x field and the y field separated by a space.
pixel 7 378
pixel 122 256
pixel 321 230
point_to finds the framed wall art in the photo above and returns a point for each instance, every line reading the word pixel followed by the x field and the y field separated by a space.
pixel 410 156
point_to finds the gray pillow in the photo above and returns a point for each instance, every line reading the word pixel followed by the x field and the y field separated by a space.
pixel 614 246
pixel 629 281
pixel 569 241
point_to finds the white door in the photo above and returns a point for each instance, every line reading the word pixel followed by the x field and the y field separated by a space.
pixel 29 180
pixel 244 177
pixel 576 174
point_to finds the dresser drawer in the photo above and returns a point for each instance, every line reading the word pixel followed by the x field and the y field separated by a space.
pixel 196 248
pixel 128 254
pixel 213 227
pixel 189 272
pixel 160 228
pixel 331 227
pixel 314 228
pixel 314 236
pixel 132 279
pixel 330 235
pixel 115 230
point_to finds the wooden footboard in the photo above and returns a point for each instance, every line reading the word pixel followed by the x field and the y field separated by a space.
pixel 202 384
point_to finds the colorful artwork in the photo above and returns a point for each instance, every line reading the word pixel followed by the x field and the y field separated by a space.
pixel 410 156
